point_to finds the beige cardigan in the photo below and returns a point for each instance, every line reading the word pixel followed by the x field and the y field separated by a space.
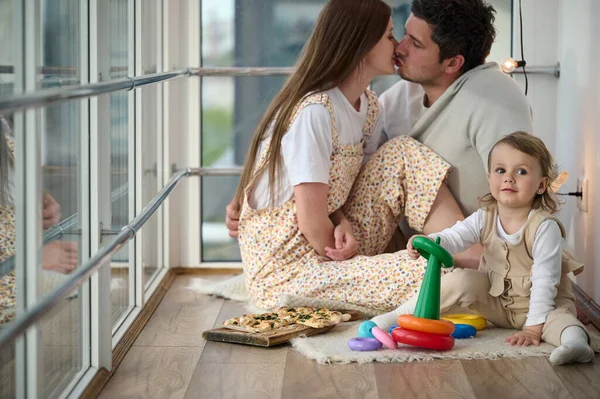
pixel 479 108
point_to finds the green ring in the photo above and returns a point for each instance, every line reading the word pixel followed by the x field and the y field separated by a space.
pixel 427 247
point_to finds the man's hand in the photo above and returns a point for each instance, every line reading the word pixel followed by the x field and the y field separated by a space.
pixel 51 211
pixel 60 256
pixel 530 335
pixel 412 252
pixel 232 217
pixel 346 245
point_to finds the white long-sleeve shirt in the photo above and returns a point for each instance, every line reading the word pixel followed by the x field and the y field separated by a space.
pixel 547 256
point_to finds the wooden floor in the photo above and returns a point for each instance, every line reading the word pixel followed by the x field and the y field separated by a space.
pixel 171 360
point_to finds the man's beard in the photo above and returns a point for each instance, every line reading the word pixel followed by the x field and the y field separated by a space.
pixel 405 77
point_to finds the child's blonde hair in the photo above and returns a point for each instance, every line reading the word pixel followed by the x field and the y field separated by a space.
pixel 536 148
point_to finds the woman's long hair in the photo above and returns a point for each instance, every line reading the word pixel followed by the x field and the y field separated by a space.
pixel 6 160
pixel 345 32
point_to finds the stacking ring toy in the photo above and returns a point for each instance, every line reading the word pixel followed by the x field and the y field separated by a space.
pixel 476 321
pixel 364 329
pixel 440 327
pixel 423 339
pixel 463 331
pixel 364 344
pixel 384 338
pixel 428 302
pixel 392 328
pixel 427 248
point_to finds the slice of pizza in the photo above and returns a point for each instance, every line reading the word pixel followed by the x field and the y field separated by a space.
pixel 320 318
pixel 258 322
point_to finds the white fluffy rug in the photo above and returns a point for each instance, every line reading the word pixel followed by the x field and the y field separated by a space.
pixel 235 288
pixel 231 288
pixel 332 347
pixel 489 343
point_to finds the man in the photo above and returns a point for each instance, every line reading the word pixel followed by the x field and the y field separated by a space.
pixel 449 98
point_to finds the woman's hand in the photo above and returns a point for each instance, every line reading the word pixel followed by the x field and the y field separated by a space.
pixel 232 217
pixel 412 252
pixel 60 256
pixel 346 245
pixel 50 212
pixel 530 335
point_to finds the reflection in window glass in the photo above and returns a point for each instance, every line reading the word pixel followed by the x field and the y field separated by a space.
pixel 150 183
pixel 8 43
pixel 60 129
pixel 117 27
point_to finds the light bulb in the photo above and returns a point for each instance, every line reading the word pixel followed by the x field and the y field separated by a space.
pixel 510 64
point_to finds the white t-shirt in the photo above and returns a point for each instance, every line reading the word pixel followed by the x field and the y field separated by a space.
pixel 547 257
pixel 307 147
pixel 462 125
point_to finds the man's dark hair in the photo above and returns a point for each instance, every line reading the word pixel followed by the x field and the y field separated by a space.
pixel 463 27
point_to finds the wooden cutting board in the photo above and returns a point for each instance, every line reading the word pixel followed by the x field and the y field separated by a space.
pixel 270 338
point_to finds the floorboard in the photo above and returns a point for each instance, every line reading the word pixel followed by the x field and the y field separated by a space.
pixel 171 360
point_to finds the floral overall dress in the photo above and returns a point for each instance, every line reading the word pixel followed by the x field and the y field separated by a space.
pixel 8 236
pixel 401 179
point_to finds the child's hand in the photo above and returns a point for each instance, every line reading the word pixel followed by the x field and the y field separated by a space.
pixel 346 245
pixel 530 335
pixel 412 252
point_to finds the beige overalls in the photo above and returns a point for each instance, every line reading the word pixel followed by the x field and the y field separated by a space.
pixel 401 179
pixel 8 236
pixel 500 290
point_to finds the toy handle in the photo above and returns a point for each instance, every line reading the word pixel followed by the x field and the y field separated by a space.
pixel 427 248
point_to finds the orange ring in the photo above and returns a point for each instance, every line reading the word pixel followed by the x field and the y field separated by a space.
pixel 465 318
pixel 440 327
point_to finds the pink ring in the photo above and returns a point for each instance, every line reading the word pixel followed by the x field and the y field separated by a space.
pixel 384 338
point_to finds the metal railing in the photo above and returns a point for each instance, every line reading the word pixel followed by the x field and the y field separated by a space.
pixel 48 303
pixel 42 98
pixel 52 96
pixel 57 231
pixel 77 278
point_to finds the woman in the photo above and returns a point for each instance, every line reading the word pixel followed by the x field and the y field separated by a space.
pixel 312 218
pixel 58 256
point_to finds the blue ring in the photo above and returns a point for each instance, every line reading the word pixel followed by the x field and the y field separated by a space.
pixel 392 328
pixel 364 344
pixel 364 329
pixel 463 331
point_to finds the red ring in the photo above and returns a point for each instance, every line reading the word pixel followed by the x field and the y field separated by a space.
pixel 423 339
pixel 440 327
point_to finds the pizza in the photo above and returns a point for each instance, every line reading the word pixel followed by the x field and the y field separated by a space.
pixel 320 318
pixel 283 317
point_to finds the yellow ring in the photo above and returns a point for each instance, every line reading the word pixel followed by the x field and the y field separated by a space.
pixel 463 318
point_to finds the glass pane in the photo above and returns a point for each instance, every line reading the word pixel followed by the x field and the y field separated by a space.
pixel 256 32
pixel 60 131
pixel 150 180
pixel 231 109
pixel 117 27
pixel 217 246
pixel 151 183
pixel 8 41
